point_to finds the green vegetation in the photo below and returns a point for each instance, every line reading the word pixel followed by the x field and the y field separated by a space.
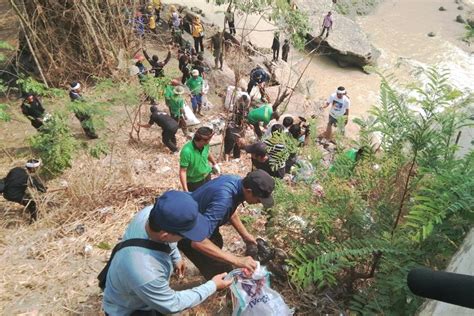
pixel 409 205
pixel 55 144
pixel 469 34
pixel 30 85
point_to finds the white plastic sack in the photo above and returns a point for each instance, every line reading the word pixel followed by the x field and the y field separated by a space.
pixel 254 297
pixel 191 119
pixel 228 102
pixel 205 87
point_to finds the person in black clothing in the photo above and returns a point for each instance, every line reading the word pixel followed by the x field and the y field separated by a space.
pixel 261 159
pixel 184 66
pixel 16 186
pixel 33 110
pixel 232 135
pixel 156 65
pixel 285 50
pixel 257 76
pixel 276 47
pixel 167 124
pixel 201 66
pixel 84 118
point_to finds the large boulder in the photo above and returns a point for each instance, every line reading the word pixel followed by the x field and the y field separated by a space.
pixel 347 43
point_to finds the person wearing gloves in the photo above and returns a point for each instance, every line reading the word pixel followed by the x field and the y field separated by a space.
pixel 137 281
pixel 218 200
pixel 194 158
pixel 18 183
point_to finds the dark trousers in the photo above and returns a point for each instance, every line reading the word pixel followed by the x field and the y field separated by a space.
pixel 230 143
pixel 232 28
pixel 88 129
pixel 206 265
pixel 258 131
pixel 251 85
pixel 192 186
pixel 284 56
pixel 30 204
pixel 198 43
pixel 324 29
pixel 157 13
pixel 169 139
pixel 276 53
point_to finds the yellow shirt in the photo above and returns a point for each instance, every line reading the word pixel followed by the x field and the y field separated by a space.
pixel 152 22
pixel 156 4
pixel 197 29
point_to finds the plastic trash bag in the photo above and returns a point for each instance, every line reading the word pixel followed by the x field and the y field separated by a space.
pixel 191 119
pixel 303 171
pixel 254 297
pixel 229 98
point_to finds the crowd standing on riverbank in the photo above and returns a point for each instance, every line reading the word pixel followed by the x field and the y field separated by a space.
pixel 137 279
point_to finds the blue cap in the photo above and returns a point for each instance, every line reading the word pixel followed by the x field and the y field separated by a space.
pixel 177 212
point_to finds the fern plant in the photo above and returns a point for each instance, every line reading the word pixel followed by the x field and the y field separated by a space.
pixel 445 194
pixel 413 209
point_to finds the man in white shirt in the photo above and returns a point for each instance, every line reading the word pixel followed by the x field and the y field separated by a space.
pixel 340 104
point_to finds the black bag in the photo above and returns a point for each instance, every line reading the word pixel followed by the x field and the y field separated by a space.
pixel 135 242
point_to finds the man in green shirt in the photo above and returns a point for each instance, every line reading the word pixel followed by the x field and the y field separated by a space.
pixel 175 102
pixel 194 169
pixel 263 114
pixel 195 84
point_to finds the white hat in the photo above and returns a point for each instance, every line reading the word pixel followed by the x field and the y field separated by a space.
pixel 75 85
pixel 33 163
pixel 195 72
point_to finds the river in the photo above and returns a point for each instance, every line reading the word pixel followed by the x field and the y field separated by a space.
pixel 398 28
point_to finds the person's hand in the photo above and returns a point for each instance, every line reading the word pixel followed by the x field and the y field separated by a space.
pixel 179 268
pixel 250 239
pixel 220 282
pixel 241 142
pixel 247 264
pixel 216 169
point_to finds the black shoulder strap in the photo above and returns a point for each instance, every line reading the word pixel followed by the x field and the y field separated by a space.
pixel 134 242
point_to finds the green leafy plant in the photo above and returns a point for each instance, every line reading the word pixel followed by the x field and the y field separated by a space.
pixel 4 115
pixel 55 144
pixel 99 149
pixel 30 85
pixel 406 206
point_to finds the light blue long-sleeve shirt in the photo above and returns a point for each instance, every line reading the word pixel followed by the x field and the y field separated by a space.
pixel 138 278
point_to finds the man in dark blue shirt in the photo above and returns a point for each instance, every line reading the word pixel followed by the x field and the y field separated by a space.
pixel 218 200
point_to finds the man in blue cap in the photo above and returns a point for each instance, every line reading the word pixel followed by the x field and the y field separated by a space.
pixel 138 278
pixel 218 200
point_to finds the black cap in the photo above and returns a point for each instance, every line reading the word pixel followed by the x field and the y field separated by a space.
pixel 259 149
pixel 262 186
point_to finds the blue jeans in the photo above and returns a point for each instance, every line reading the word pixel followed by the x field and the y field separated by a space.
pixel 196 102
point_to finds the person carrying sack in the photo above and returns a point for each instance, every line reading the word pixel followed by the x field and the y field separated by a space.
pixel 197 31
pixel 136 278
